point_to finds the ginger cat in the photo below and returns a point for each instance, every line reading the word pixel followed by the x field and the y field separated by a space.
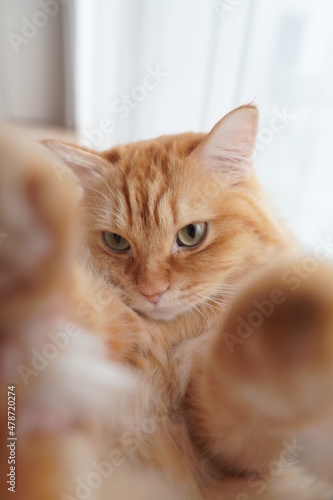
pixel 184 255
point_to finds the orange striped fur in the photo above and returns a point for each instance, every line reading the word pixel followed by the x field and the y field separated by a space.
pixel 199 420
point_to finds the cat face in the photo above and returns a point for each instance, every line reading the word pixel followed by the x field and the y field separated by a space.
pixel 171 219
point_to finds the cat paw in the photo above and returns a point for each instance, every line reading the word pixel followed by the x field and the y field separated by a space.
pixel 277 343
pixel 37 221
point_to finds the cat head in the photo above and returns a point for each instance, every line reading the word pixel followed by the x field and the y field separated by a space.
pixel 170 219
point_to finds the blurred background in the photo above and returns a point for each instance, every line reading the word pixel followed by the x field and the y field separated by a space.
pixel 100 72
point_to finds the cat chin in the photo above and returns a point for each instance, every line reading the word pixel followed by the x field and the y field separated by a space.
pixel 162 314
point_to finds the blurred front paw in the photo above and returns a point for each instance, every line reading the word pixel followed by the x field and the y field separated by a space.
pixel 277 344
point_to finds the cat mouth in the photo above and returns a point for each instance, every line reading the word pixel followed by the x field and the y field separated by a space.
pixel 160 312
pixel 166 315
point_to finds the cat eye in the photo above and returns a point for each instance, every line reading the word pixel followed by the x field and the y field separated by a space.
pixel 192 234
pixel 115 242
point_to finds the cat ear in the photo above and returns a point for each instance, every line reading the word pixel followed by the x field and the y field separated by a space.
pixel 84 164
pixel 229 147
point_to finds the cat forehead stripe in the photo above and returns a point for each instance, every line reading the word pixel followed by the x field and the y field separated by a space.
pixel 148 203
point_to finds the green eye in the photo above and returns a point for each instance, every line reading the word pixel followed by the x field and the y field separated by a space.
pixel 115 242
pixel 192 235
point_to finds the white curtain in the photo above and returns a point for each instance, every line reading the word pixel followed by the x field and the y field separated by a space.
pixel 214 55
pixel 125 70
pixel 180 44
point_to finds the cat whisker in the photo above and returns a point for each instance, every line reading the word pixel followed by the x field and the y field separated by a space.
pixel 213 309
pixel 214 304
pixel 90 188
pixel 104 181
pixel 196 319
pixel 201 314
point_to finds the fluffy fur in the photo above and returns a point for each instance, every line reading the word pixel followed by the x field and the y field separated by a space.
pixel 207 417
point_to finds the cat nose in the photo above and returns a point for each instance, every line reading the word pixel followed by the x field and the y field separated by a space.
pixel 155 297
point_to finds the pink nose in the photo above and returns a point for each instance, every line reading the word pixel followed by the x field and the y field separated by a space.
pixel 153 298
